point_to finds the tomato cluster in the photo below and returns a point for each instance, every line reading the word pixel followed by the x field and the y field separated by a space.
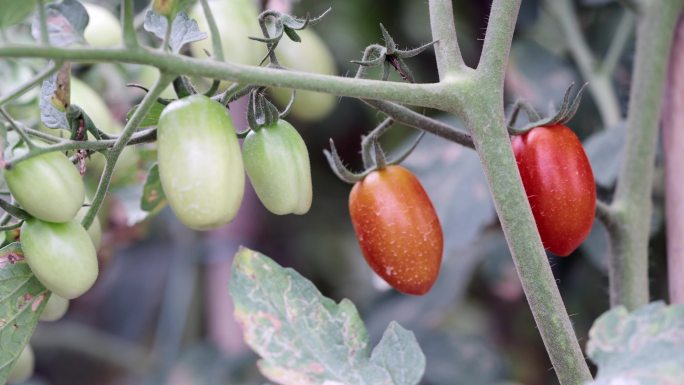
pixel 559 183
pixel 201 167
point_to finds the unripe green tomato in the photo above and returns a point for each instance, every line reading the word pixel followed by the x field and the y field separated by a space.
pixel 61 255
pixel 310 55
pixel 48 186
pixel 200 166
pixel 236 21
pixel 23 367
pixel 277 163
pixel 55 308
pixel 103 29
pixel 94 231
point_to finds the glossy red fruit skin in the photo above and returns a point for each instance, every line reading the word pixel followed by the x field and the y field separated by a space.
pixel 559 184
pixel 398 229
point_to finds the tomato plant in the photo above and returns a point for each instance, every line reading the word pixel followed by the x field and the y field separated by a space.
pixel 398 229
pixel 200 165
pixel 559 184
pixel 61 255
pixel 47 186
pixel 104 29
pixel 277 163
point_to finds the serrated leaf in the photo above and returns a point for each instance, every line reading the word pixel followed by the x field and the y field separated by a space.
pixel 605 150
pixel 153 198
pixel 399 353
pixel 66 22
pixel 304 338
pixel 151 118
pixel 22 298
pixel 14 11
pixel 454 180
pixel 183 29
pixel 50 114
pixel 645 347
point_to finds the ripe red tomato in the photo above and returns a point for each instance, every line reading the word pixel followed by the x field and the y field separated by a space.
pixel 559 184
pixel 398 229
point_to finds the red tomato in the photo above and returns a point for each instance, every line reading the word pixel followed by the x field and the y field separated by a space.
pixel 559 184
pixel 398 229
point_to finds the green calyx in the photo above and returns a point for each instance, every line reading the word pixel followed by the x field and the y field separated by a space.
pixel 563 115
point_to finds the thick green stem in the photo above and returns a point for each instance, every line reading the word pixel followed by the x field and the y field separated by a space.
pixel 113 154
pixel 433 95
pixel 447 50
pixel 629 263
pixel 485 118
pixel 599 82
pixel 42 19
pixel 127 15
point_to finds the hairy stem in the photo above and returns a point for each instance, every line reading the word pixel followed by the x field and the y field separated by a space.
pixel 113 154
pixel 447 50
pixel 629 263
pixel 485 118
pixel 599 82
pixel 424 95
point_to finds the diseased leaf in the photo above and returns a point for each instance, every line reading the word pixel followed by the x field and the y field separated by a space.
pixel 151 118
pixel 51 104
pixel 183 30
pixel 153 198
pixel 304 338
pixel 645 347
pixel 455 182
pixel 14 11
pixel 22 298
pixel 66 22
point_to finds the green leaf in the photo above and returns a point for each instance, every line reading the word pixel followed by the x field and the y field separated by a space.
pixel 152 117
pixel 14 11
pixel 645 347
pixel 305 338
pixel 22 298
pixel 153 198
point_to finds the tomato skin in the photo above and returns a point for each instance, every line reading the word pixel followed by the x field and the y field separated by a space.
pixel 559 184
pixel 103 29
pixel 47 186
pixel 200 165
pixel 55 308
pixel 277 163
pixel 61 255
pixel 398 229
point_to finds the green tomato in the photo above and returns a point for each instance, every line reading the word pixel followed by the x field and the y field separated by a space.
pixel 104 29
pixel 55 308
pixel 95 229
pixel 23 366
pixel 48 186
pixel 92 103
pixel 148 75
pixel 310 55
pixel 200 166
pixel 61 255
pixel 236 21
pixel 277 163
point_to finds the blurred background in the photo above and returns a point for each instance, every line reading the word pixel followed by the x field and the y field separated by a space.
pixel 160 312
